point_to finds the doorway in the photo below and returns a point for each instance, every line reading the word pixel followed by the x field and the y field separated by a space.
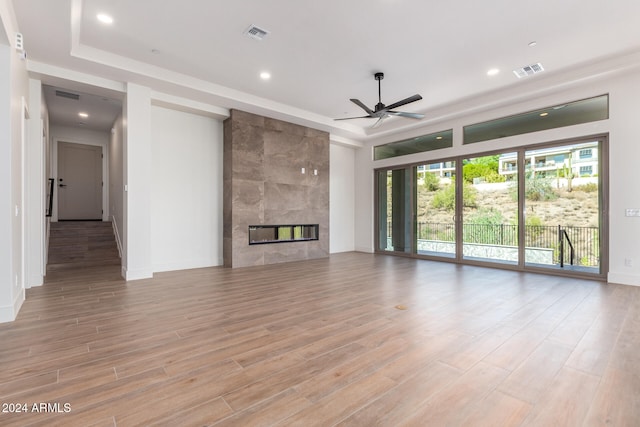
pixel 79 182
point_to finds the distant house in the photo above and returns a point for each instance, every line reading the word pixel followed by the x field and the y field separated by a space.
pixel 442 169
pixel 553 162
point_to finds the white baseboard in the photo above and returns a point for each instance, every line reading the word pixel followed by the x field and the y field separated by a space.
pixel 364 249
pixel 138 274
pixel 8 313
pixel 186 265
pixel 35 280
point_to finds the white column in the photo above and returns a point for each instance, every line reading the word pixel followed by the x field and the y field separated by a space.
pixel 36 189
pixel 137 183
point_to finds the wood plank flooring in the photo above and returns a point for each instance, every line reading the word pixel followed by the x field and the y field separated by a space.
pixel 322 343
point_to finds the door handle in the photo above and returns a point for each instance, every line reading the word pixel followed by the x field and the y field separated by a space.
pixel 62 185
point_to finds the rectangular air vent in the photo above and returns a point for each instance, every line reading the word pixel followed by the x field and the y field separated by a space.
pixel 69 95
pixel 528 70
pixel 256 32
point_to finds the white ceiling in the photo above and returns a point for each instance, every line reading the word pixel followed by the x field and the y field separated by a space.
pixel 321 53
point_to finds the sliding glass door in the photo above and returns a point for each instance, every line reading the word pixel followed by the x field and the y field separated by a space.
pixel 490 209
pixel 533 208
pixel 435 190
pixel 563 207
pixel 394 210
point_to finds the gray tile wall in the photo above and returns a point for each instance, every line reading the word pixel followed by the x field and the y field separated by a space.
pixel 263 184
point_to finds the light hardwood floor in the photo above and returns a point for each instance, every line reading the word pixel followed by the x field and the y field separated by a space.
pixel 353 340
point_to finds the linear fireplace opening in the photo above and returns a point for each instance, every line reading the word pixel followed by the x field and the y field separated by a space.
pixel 261 234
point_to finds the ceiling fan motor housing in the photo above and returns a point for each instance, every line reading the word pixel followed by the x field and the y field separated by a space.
pixel 379 106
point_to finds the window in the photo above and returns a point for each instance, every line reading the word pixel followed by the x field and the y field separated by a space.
pixel 418 144
pixel 585 154
pixel 586 170
pixel 571 113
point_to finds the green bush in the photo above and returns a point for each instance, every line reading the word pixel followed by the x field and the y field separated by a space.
pixel 486 216
pixel 470 171
pixel 488 226
pixel 445 198
pixel 431 182
pixel 533 229
pixel 482 167
pixel 539 189
pixel 533 221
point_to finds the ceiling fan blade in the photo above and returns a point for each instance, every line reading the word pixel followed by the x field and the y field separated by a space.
pixel 350 118
pixel 405 101
pixel 379 122
pixel 404 114
pixel 361 105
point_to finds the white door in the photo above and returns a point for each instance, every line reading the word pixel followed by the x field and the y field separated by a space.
pixel 79 182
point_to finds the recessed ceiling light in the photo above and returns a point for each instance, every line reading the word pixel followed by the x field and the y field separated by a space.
pixel 545 114
pixel 493 72
pixel 104 18
pixel 83 115
pixel 438 137
pixel 265 75
pixel 533 44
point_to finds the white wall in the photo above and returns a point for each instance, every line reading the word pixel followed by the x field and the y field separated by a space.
pixel 186 199
pixel 116 186
pixel 341 199
pixel 624 152
pixel 36 185
pixel 87 137
pixel 13 98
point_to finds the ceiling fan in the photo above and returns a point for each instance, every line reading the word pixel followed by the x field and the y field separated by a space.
pixel 381 111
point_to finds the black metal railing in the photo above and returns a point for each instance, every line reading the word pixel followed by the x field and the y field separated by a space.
pixel 50 206
pixel 580 244
pixel 562 236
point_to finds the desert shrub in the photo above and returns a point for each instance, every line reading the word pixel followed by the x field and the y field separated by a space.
pixel 431 182
pixel 539 189
pixel 486 216
pixel 533 221
pixel 445 198
pixel 488 226
pixel 590 187
pixel 533 228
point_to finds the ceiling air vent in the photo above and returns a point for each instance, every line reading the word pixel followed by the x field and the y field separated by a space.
pixel 256 32
pixel 68 95
pixel 528 70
